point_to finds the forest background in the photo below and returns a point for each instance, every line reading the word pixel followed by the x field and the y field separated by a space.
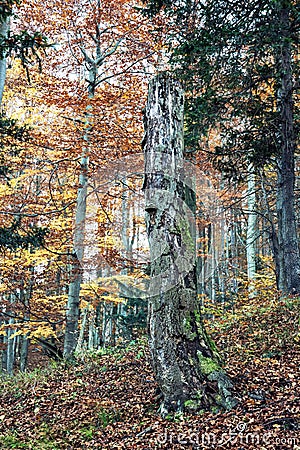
pixel 74 251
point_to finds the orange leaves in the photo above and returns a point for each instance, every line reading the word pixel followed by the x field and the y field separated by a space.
pixel 88 98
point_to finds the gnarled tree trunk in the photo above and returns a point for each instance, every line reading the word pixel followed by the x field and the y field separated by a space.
pixel 185 360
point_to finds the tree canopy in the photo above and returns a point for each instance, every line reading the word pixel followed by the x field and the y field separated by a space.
pixel 228 55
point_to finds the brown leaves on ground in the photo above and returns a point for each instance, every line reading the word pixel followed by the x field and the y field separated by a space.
pixel 109 400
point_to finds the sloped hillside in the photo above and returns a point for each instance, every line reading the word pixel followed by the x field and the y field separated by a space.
pixel 109 400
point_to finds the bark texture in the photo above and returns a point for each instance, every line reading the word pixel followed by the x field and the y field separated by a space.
pixel 289 256
pixel 185 361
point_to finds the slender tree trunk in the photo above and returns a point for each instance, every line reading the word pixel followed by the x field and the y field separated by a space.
pixel 25 296
pixel 84 317
pixel 73 305
pixel 91 341
pixel 234 256
pixel 289 256
pixel 4 354
pixel 224 262
pixel 107 324
pixel 93 60
pixel 72 313
pixel 10 358
pixel 213 263
pixel 24 352
pixel 4 28
pixel 251 232
pixel 271 229
pixel 126 253
pixel 184 359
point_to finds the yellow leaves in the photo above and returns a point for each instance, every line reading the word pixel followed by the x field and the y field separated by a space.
pixel 60 223
pixel 104 216
pixel 50 301
pixel 5 190
pixel 30 329
pixel 45 173
pixel 85 304
pixel 109 242
pixel 3 287
pixel 107 289
pixel 92 290
pixel 113 299
pixel 26 258
pixel 21 182
pixel 42 331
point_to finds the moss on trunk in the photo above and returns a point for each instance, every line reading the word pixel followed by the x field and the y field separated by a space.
pixel 186 363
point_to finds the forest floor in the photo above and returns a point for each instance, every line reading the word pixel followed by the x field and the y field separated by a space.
pixel 108 400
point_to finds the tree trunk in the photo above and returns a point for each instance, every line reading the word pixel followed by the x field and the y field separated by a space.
pixel 80 341
pixel 107 324
pixel 73 305
pixel 72 313
pixel 213 263
pixel 4 353
pixel 289 256
pixel 4 28
pixel 270 227
pixel 91 341
pixel 10 358
pixel 251 232
pixel 24 352
pixel 185 360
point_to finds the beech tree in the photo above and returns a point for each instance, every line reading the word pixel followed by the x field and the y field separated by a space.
pixel 86 106
pixel 185 361
pixel 100 47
